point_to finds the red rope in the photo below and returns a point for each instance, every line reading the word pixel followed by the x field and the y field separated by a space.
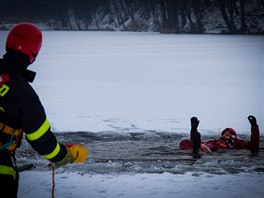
pixel 53 179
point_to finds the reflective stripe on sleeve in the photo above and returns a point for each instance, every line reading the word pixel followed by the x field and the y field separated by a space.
pixel 40 132
pixel 7 170
pixel 53 153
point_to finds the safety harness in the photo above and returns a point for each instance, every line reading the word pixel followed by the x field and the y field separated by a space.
pixel 13 136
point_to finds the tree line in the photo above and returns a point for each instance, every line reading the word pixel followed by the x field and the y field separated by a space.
pixel 173 16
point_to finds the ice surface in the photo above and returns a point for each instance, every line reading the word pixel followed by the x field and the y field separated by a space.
pixel 119 82
pixel 129 82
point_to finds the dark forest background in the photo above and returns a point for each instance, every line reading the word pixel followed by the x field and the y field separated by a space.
pixel 166 16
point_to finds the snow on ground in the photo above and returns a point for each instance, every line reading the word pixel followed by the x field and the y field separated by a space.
pixel 134 82
pixel 166 185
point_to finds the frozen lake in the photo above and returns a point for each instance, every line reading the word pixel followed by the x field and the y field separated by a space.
pixel 134 82
pixel 147 85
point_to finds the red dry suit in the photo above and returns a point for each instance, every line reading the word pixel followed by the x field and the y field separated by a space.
pixel 227 140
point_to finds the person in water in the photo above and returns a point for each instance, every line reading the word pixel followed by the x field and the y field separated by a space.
pixel 227 140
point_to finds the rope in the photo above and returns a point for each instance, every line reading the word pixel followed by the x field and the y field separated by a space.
pixel 53 179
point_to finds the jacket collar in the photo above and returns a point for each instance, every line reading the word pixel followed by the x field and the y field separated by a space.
pixel 15 64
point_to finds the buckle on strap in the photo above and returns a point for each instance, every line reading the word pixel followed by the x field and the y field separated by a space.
pixel 7 170
pixel 9 130
pixel 15 134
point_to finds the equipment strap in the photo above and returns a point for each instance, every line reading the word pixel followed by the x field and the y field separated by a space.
pixel 9 130
pixel 14 139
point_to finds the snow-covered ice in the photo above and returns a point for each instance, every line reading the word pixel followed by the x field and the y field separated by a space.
pixel 121 82
pixel 164 185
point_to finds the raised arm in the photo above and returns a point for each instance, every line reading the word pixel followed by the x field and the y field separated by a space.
pixel 195 135
pixel 254 139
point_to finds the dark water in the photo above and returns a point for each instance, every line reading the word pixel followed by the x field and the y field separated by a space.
pixel 146 152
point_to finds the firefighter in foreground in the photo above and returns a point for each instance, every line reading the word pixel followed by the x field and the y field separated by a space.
pixel 227 140
pixel 21 110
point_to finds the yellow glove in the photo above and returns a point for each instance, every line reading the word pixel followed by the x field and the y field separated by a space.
pixel 76 153
pixel 69 158
pixel 79 152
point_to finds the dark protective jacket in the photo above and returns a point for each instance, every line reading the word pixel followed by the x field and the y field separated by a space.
pixel 21 109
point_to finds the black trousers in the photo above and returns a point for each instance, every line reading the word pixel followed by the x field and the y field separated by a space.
pixel 8 186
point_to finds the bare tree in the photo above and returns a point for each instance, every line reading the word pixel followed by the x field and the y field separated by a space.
pixel 243 28
pixel 227 10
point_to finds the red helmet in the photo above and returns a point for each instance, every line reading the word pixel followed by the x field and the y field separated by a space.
pixel 25 38
pixel 231 131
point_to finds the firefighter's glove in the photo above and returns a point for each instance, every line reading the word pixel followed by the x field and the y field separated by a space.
pixel 194 123
pixel 67 159
pixel 252 120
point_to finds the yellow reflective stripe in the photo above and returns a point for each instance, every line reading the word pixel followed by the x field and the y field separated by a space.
pixel 3 90
pixel 40 132
pixel 2 109
pixel 53 153
pixel 7 170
